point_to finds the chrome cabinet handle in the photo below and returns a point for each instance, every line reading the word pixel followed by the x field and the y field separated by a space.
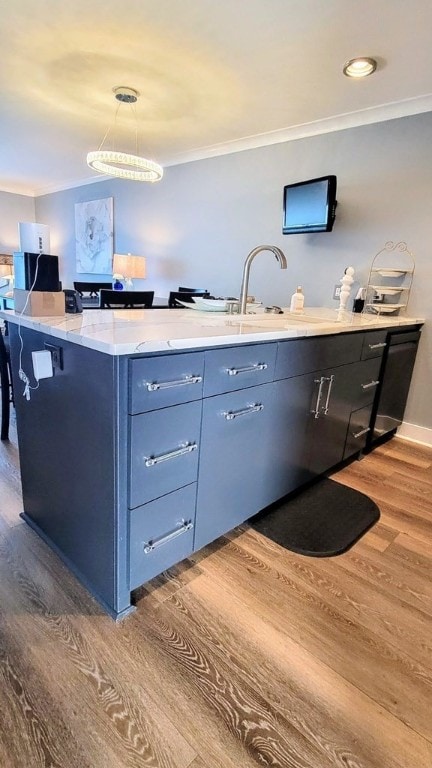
pixel 153 386
pixel 370 385
pixel 181 527
pixel 151 461
pixel 379 345
pixel 247 369
pixel 362 432
pixel 329 389
pixel 316 412
pixel 229 415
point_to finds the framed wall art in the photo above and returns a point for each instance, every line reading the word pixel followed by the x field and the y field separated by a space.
pixel 94 236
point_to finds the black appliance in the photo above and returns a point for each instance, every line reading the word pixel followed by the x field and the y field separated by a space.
pixel 43 267
pixel 73 303
pixel 309 206
pixel 396 372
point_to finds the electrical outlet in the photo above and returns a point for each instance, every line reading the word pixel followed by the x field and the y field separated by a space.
pixel 336 292
pixel 56 355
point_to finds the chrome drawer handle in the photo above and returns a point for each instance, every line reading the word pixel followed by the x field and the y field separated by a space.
pixel 151 461
pixel 362 432
pixel 182 527
pixel 320 381
pixel 379 345
pixel 247 369
pixel 330 380
pixel 153 386
pixel 230 415
pixel 370 385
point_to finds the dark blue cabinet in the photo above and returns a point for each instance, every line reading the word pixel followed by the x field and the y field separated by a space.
pixel 143 459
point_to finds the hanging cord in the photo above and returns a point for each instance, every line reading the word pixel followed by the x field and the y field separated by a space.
pixel 109 129
pixel 134 112
pixel 21 373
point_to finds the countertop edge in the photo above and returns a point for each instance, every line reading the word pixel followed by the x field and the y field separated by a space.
pixel 174 330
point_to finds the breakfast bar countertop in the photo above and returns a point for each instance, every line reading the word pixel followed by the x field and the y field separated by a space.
pixel 134 331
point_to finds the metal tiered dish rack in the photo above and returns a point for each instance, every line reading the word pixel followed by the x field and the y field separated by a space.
pixel 390 279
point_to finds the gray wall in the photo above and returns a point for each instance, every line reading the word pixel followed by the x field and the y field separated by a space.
pixel 198 224
pixel 13 209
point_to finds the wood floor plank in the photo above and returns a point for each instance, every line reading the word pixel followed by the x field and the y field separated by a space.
pixel 405 521
pixel 412 552
pixel 408 452
pixel 379 537
pixel 198 763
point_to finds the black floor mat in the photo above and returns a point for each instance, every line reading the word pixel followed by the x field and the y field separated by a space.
pixel 323 520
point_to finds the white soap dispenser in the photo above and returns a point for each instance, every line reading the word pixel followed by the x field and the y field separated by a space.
pixel 297 300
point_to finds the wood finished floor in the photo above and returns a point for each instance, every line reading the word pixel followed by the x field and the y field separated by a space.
pixel 246 655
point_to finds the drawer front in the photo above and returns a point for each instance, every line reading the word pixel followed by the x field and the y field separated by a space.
pixel 299 356
pixel 367 381
pixel 164 449
pixel 161 534
pixel 158 382
pixel 237 367
pixel 358 431
pixel 374 344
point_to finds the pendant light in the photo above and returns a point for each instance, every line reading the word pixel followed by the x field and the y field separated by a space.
pixel 121 164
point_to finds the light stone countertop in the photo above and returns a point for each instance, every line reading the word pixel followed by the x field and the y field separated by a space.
pixel 131 331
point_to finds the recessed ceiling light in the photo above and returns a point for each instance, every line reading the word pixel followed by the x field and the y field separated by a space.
pixel 362 66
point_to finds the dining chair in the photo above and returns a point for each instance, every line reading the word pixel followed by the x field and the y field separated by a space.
pixel 193 290
pixel 90 288
pixel 6 385
pixel 125 299
pixel 183 296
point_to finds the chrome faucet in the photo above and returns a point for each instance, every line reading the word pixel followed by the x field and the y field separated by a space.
pixel 249 259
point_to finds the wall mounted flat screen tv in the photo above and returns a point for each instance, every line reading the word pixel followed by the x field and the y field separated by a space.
pixel 309 206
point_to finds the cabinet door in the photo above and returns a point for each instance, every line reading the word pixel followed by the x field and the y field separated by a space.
pixel 396 381
pixel 329 417
pixel 292 415
pixel 236 460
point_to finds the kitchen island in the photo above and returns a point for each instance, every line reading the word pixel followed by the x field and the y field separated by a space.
pixel 160 430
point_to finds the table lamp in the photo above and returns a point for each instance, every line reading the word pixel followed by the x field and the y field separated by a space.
pixel 6 273
pixel 127 266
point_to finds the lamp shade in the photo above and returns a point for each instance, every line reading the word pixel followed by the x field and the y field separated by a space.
pixel 6 266
pixel 129 266
pixel 6 271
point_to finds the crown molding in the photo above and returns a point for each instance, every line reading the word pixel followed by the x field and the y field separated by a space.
pixel 379 114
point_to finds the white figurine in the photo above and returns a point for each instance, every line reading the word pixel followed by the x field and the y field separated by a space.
pixel 346 283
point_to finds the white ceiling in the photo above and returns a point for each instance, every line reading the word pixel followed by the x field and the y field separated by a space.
pixel 214 77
